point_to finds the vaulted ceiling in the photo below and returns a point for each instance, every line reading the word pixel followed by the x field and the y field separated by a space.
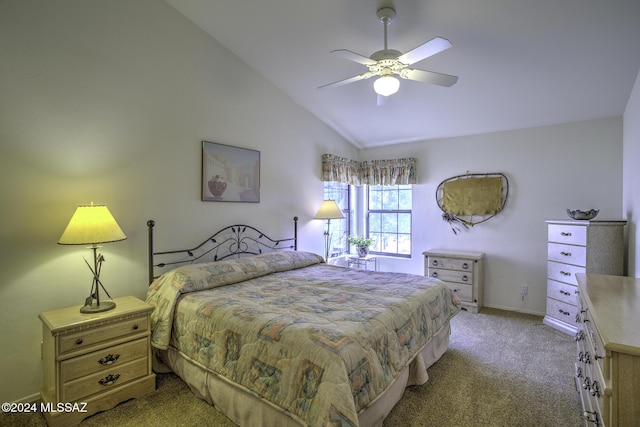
pixel 520 63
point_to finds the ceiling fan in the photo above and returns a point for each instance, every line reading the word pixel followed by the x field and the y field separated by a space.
pixel 389 63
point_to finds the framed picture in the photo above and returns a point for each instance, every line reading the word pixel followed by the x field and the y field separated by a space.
pixel 230 174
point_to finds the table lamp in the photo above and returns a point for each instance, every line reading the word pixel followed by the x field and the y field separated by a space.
pixel 329 210
pixel 92 225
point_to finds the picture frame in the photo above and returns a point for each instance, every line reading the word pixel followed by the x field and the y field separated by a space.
pixel 230 174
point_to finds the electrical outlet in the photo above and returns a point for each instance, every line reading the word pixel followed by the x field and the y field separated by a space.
pixel 524 290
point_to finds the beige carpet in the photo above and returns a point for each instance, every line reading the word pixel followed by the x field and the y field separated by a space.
pixel 502 369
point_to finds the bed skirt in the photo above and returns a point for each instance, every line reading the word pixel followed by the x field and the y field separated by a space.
pixel 246 409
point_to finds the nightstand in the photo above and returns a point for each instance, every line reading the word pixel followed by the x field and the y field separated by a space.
pixel 461 271
pixel 363 262
pixel 99 359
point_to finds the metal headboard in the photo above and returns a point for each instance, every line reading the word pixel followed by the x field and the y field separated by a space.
pixel 234 240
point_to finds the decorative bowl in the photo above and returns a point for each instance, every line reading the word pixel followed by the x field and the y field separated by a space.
pixel 578 214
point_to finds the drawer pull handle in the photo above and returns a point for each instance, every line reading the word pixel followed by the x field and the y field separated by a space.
pixel 465 278
pixel 565 253
pixel 591 417
pixel 566 234
pixel 79 341
pixel 434 262
pixel 579 335
pixel 109 379
pixel 595 388
pixel 434 274
pixel 135 327
pixel 565 293
pixel 109 359
pixel 566 313
pixel 465 266
pixel 584 357
pixel 565 273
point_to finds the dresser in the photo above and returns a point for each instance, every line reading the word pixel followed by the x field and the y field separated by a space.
pixel 92 362
pixel 578 247
pixel 461 271
pixel 608 349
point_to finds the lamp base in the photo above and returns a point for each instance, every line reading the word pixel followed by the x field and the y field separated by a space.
pixel 98 308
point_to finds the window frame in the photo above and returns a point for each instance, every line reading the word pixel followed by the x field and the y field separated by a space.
pixel 330 190
pixel 398 211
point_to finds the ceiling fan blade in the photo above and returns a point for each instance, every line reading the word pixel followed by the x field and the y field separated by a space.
pixel 347 81
pixel 425 50
pixel 429 77
pixel 355 57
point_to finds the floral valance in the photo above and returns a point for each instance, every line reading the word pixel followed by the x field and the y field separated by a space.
pixel 369 172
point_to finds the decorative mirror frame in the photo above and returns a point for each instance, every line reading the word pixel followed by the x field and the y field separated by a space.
pixel 472 198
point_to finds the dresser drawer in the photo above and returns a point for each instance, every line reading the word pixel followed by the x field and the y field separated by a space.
pixel 568 234
pixel 463 277
pixel 564 272
pixel 76 390
pixel 576 255
pixel 561 292
pixel 450 263
pixel 86 338
pixel 464 292
pixel 561 311
pixel 102 360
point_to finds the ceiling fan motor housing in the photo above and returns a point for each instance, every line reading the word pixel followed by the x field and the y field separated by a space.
pixel 386 14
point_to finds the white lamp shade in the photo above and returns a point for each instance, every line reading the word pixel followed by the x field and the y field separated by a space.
pixel 386 85
pixel 329 209
pixel 91 224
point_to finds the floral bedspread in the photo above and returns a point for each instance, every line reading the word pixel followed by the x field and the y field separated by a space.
pixel 318 341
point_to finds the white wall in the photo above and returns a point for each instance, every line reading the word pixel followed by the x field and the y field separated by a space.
pixel 550 169
pixel 631 177
pixel 108 101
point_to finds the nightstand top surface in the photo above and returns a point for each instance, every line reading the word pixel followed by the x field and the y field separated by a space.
pixel 453 253
pixel 70 317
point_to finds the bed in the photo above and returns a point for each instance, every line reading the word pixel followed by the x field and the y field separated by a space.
pixel 273 336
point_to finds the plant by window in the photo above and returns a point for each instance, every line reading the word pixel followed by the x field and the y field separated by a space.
pixel 361 241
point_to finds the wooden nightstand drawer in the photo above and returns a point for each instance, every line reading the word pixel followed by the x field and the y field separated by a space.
pixel 451 263
pixel 74 391
pixel 102 360
pixel 452 275
pixel 89 337
pixel 464 292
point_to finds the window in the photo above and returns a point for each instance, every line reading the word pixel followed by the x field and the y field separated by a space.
pixel 339 227
pixel 389 219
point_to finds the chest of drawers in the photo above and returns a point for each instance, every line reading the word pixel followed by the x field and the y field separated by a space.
pixel 608 349
pixel 578 247
pixel 461 271
pixel 98 359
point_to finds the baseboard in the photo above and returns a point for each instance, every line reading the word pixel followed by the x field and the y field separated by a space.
pixel 499 307
pixel 29 399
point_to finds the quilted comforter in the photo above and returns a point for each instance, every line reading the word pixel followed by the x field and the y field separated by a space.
pixel 319 342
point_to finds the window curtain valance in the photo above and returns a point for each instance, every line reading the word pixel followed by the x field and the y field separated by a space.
pixel 369 172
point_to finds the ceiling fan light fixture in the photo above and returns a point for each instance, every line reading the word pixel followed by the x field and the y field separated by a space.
pixel 386 85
